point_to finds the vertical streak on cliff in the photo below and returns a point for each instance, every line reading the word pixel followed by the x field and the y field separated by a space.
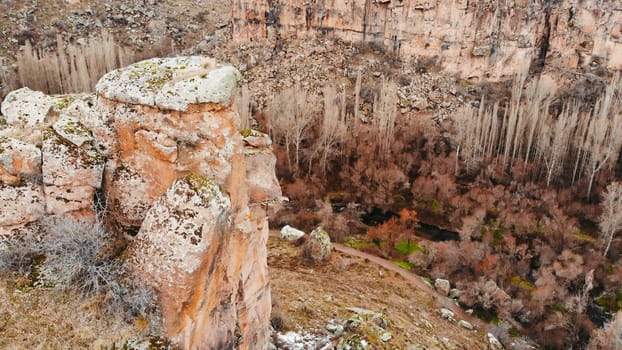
pixel 544 45
pixel 365 10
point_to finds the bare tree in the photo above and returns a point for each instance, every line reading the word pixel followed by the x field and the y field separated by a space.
pixel 385 114
pixel 333 128
pixel 610 220
pixel 72 67
pixel 604 135
pixel 289 117
pixel 554 140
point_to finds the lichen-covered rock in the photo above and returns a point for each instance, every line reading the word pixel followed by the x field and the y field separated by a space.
pixel 317 248
pixel 206 260
pixel 20 205
pixel 171 83
pixel 255 138
pixel 163 135
pixel 71 174
pixel 178 240
pixel 447 314
pixel 72 130
pixel 352 342
pixel 17 159
pixel 26 108
pixel 157 137
pixel 291 234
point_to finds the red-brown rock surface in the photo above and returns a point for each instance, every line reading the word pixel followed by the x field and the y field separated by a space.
pixel 180 175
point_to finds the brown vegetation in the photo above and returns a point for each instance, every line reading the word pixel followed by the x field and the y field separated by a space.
pixel 511 178
pixel 72 67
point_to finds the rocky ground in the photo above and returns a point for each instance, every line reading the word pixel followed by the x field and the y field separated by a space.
pixel 349 297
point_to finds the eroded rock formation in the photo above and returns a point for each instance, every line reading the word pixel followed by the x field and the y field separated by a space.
pixel 161 142
pixel 472 38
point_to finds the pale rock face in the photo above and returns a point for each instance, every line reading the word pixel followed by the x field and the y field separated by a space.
pixel 261 178
pixel 70 174
pixel 153 147
pixel 171 83
pixel 25 107
pixel 180 241
pixel 72 130
pixel 18 158
pixel 20 205
pixel 475 39
pixel 494 343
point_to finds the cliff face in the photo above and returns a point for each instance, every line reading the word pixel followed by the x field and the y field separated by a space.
pixel 162 144
pixel 474 39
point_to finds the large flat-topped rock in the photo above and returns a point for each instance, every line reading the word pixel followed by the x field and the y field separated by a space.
pixel 171 83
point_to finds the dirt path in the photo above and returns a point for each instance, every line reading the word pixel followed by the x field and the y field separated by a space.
pixel 413 279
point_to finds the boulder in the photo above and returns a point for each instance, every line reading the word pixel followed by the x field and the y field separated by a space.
pixel 18 159
pixel 20 205
pixel 169 117
pixel 178 242
pixel 352 342
pixel 466 325
pixel 26 108
pixel 162 142
pixel 447 314
pixel 171 83
pixel 291 234
pixel 317 248
pixel 260 174
pixel 494 343
pixel 442 285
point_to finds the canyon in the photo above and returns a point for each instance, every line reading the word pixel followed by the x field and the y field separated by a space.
pixel 380 119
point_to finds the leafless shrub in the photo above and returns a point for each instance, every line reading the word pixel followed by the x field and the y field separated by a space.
pixel 72 67
pixel 18 253
pixel 75 257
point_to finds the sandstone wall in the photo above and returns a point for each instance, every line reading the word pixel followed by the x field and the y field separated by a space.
pixel 475 39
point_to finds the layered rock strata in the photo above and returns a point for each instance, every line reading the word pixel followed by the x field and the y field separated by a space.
pixel 475 39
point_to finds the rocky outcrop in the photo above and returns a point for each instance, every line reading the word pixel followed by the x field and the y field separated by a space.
pixel 196 193
pixel 161 143
pixel 476 39
pixel 47 153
